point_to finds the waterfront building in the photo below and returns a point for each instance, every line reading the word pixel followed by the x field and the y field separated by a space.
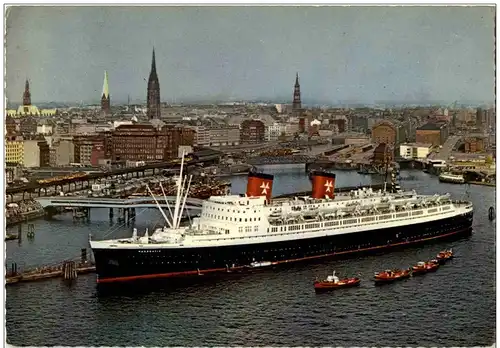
pixel 414 150
pixel 145 142
pixel 384 132
pixel 434 133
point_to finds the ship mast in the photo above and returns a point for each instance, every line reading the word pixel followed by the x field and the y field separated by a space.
pixel 159 207
pixel 386 162
pixel 184 202
pixel 166 201
pixel 179 191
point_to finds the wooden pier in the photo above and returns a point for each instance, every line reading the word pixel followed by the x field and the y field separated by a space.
pixel 68 273
pixel 67 270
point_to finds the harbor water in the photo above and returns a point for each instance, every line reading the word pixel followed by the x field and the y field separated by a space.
pixel 453 307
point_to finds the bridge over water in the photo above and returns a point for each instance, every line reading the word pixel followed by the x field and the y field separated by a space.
pixel 294 159
pixel 148 202
pixel 138 202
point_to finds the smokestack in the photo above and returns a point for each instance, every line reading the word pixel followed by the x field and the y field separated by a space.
pixel 260 184
pixel 323 185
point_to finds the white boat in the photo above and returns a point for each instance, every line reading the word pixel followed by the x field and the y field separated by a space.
pixel 261 264
pixel 451 178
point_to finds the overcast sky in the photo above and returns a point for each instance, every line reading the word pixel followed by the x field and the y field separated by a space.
pixel 361 54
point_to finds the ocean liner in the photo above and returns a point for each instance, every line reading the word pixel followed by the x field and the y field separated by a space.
pixel 239 232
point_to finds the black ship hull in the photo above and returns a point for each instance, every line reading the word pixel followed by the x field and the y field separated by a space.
pixel 114 265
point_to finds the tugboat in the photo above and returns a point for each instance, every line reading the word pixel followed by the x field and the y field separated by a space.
pixel 425 267
pixel 388 276
pixel 333 282
pixel 444 256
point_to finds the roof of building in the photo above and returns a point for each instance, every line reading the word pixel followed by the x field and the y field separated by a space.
pixel 418 144
pixel 384 122
pixel 206 152
pixel 475 138
pixel 432 126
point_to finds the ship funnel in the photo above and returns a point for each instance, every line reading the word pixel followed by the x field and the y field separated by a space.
pixel 323 185
pixel 260 184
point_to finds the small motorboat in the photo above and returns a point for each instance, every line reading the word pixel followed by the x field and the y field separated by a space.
pixel 333 282
pixel 444 256
pixel 259 266
pixel 425 267
pixel 389 276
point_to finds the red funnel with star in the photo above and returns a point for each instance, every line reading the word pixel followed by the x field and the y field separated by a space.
pixel 323 185
pixel 260 184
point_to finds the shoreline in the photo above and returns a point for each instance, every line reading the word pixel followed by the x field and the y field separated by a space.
pixel 480 183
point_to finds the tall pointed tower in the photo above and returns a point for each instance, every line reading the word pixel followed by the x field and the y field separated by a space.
pixel 297 105
pixel 153 92
pixel 27 94
pixel 105 100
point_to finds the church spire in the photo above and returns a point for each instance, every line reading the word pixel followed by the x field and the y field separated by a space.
pixel 105 100
pixel 296 105
pixel 153 98
pixel 153 62
pixel 27 94
pixel 105 86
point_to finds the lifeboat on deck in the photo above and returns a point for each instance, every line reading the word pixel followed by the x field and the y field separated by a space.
pixel 425 267
pixel 332 282
pixel 389 276
pixel 444 256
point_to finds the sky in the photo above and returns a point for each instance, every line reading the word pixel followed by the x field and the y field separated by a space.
pixel 355 54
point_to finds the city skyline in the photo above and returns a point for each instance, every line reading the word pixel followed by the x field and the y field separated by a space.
pixel 416 54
